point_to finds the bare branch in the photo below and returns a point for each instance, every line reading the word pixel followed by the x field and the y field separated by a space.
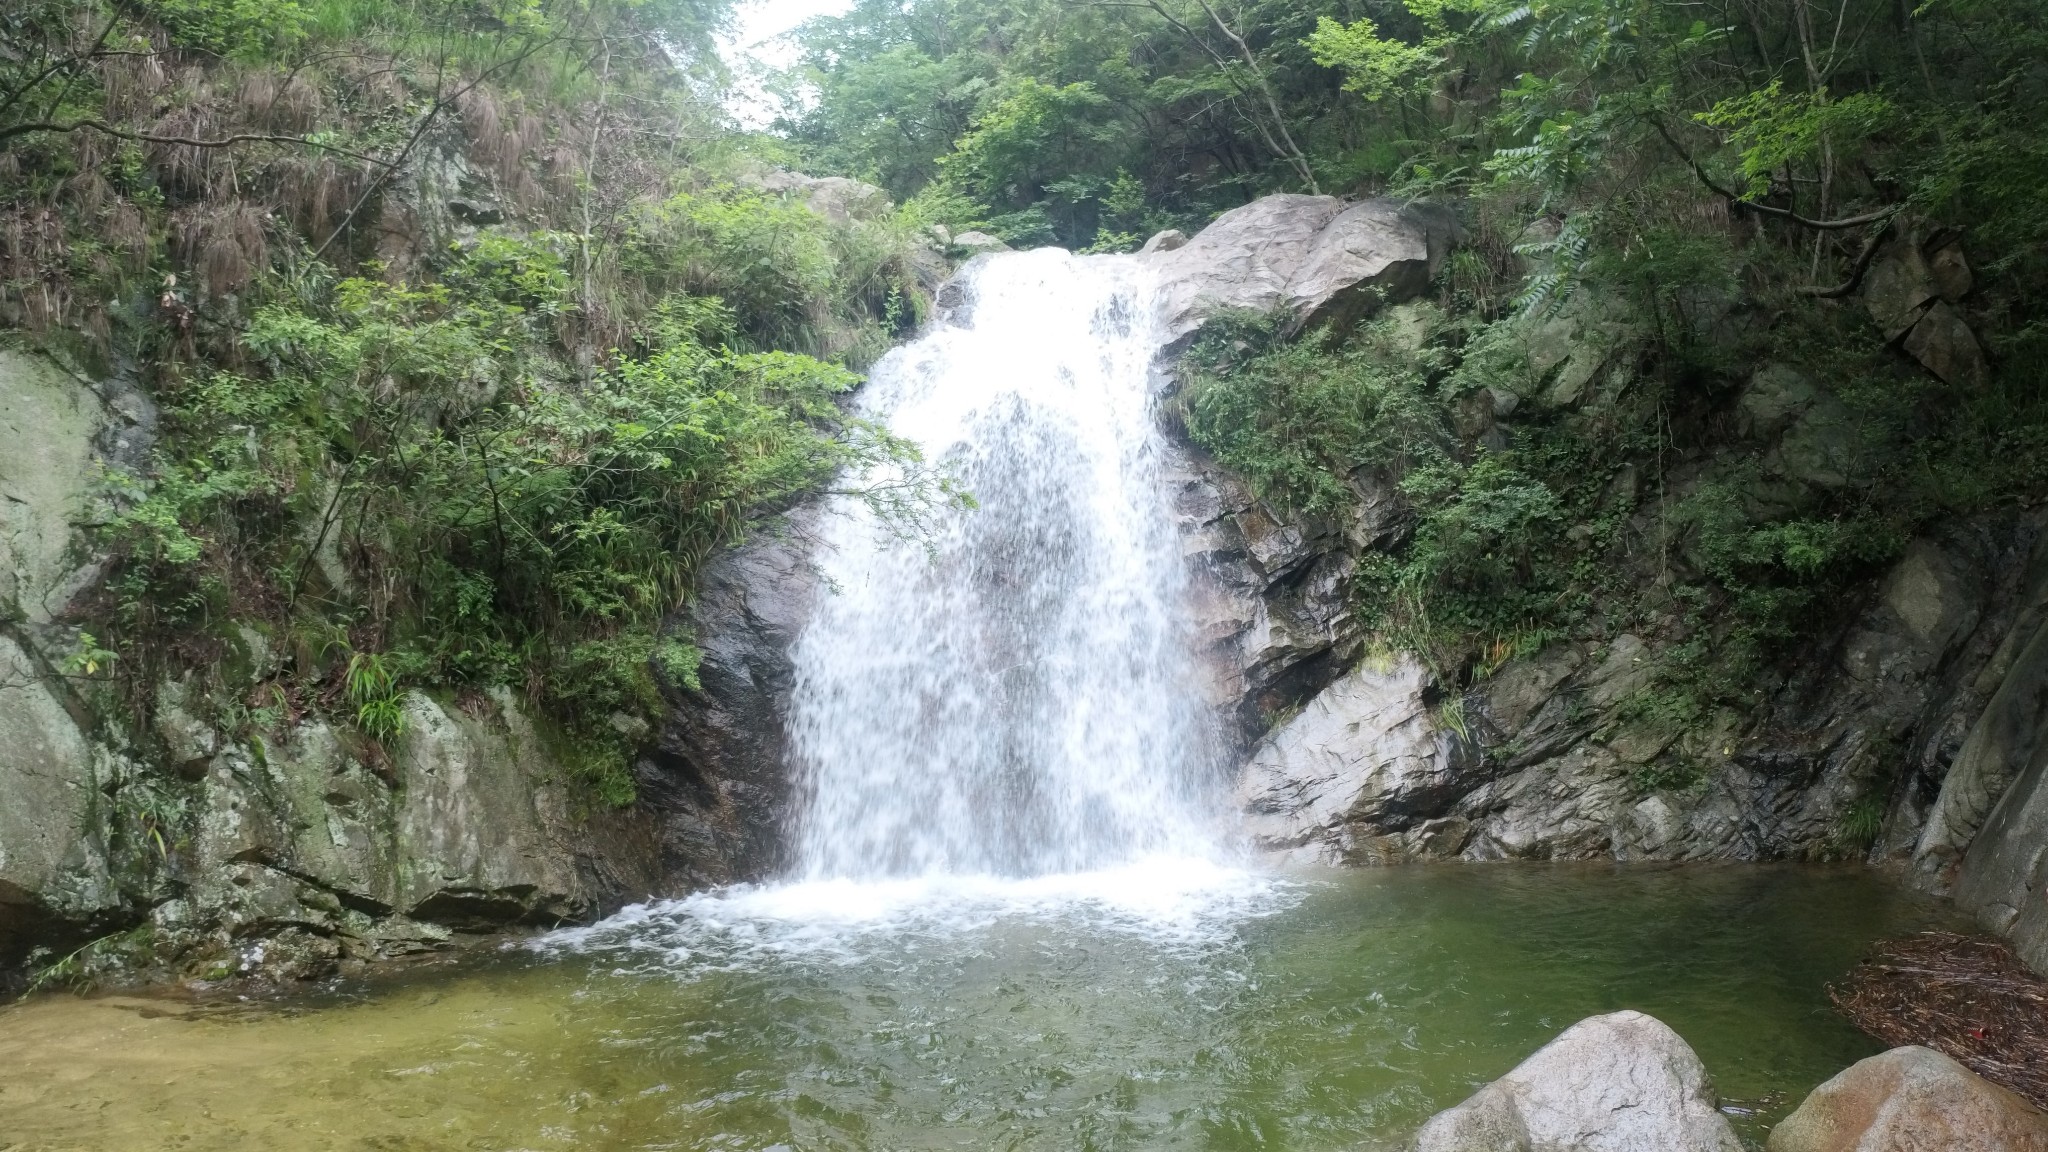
pixel 52 126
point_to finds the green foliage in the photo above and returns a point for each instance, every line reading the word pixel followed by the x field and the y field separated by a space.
pixel 1298 419
pixel 1775 129
pixel 1374 66
pixel 372 688
pixel 515 528
pixel 1861 822
pixel 247 29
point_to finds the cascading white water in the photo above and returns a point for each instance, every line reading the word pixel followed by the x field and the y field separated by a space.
pixel 1003 726
pixel 1017 699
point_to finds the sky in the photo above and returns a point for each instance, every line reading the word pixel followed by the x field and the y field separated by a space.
pixel 751 49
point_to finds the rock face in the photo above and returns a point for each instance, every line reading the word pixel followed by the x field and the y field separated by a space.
pixel 1930 696
pixel 2004 876
pixel 311 852
pixel 1906 1100
pixel 719 776
pixel 1354 769
pixel 285 857
pixel 1622 1082
pixel 1270 598
pixel 1910 292
pixel 1321 260
pixel 2005 744
pixel 54 878
pixel 55 436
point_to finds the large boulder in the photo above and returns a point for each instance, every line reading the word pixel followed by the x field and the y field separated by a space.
pixel 1365 757
pixel 1623 1082
pixel 1910 1100
pixel 836 198
pixel 1321 260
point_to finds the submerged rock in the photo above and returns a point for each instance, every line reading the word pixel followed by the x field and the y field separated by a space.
pixel 1907 1100
pixel 1623 1082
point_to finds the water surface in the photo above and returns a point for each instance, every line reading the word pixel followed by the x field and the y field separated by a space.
pixel 1168 1006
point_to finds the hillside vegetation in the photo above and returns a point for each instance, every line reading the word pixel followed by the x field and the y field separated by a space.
pixel 473 327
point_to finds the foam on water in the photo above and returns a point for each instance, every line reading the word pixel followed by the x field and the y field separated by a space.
pixel 1176 904
pixel 1005 723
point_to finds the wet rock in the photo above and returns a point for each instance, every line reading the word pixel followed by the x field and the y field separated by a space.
pixel 1906 1100
pixel 1623 1082
pixel 1565 808
pixel 1362 758
pixel 1269 600
pixel 2007 739
pixel 718 779
pixel 1323 261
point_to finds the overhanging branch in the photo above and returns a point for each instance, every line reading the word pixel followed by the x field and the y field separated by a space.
pixel 1698 170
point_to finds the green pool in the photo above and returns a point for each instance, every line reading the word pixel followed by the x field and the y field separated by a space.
pixel 1168 1008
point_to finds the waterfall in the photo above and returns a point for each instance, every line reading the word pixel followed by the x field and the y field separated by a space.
pixel 1017 696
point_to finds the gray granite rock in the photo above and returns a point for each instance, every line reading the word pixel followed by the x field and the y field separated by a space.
pixel 1623 1082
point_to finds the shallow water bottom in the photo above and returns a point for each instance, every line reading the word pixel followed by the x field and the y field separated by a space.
pixel 1319 1011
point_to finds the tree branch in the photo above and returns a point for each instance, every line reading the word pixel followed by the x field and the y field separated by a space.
pixel 55 126
pixel 419 133
pixel 1881 214
pixel 1856 270
pixel 1294 153
pixel 1291 152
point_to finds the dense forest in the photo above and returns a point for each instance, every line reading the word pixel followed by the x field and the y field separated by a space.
pixel 492 445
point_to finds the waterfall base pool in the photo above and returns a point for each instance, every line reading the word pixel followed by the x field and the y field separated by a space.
pixel 1162 1010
